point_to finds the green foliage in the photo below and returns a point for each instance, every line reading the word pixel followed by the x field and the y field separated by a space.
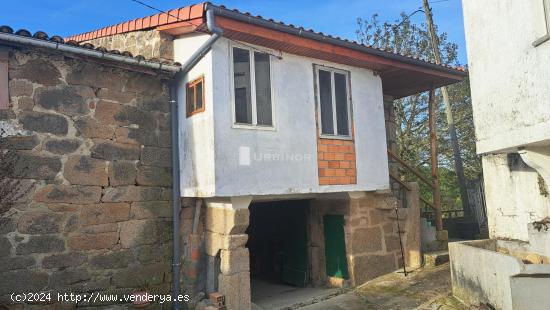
pixel 405 37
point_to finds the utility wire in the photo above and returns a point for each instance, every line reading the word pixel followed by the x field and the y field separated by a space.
pixel 154 8
pixel 165 12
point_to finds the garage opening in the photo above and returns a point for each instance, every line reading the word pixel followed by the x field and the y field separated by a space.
pixel 277 241
pixel 279 260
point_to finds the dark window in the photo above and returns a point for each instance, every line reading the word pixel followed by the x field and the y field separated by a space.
pixel 263 89
pixel 325 97
pixel 341 97
pixel 194 96
pixel 241 78
pixel 252 104
pixel 334 102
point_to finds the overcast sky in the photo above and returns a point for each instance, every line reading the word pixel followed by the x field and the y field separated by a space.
pixel 336 17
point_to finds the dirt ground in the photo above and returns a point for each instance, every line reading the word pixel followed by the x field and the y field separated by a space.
pixel 424 288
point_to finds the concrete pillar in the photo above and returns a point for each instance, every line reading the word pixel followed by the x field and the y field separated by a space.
pixel 226 224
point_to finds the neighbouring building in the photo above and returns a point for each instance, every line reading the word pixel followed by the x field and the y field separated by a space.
pixel 92 135
pixel 509 76
pixel 283 138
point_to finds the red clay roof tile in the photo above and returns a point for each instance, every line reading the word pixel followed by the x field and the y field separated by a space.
pixel 173 16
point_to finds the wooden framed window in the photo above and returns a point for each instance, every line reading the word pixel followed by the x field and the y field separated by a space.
pixel 194 96
pixel 333 102
pixel 4 90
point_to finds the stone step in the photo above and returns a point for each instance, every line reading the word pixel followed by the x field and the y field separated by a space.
pixel 432 259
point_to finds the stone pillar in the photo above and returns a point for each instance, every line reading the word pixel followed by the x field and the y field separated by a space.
pixel 226 224
pixel 411 231
pixel 371 253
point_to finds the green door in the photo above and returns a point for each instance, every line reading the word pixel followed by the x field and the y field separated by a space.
pixel 295 261
pixel 335 247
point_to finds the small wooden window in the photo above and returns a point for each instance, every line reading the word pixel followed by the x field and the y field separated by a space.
pixel 4 90
pixel 194 97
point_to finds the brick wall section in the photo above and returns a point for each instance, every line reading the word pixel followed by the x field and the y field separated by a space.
pixel 148 43
pixel 95 142
pixel 336 162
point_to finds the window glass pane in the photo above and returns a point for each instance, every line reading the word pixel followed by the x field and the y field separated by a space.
pixel 341 96
pixel 190 99
pixel 198 96
pixel 241 78
pixel 263 88
pixel 325 99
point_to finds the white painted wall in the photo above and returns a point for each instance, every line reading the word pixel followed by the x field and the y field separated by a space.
pixel 294 133
pixel 509 76
pixel 511 104
pixel 480 274
pixel 196 132
pixel 211 145
pixel 513 198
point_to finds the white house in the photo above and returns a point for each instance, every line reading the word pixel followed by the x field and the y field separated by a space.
pixel 282 135
pixel 509 52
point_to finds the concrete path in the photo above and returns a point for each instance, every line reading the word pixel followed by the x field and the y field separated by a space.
pixel 425 288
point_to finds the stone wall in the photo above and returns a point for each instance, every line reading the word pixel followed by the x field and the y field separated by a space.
pixel 148 43
pixel 371 234
pixel 94 142
pixel 372 238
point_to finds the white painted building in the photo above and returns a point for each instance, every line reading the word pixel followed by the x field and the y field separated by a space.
pixel 510 74
pixel 224 157
pixel 508 44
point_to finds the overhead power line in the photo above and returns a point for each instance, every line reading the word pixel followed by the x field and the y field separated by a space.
pixel 154 8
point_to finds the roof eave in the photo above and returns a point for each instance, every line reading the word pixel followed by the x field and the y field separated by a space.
pixel 221 11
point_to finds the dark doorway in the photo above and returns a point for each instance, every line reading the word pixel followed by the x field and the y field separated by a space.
pixel 277 241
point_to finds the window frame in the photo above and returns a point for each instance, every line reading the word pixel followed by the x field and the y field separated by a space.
pixel 316 69
pixel 546 16
pixel 254 125
pixel 193 84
